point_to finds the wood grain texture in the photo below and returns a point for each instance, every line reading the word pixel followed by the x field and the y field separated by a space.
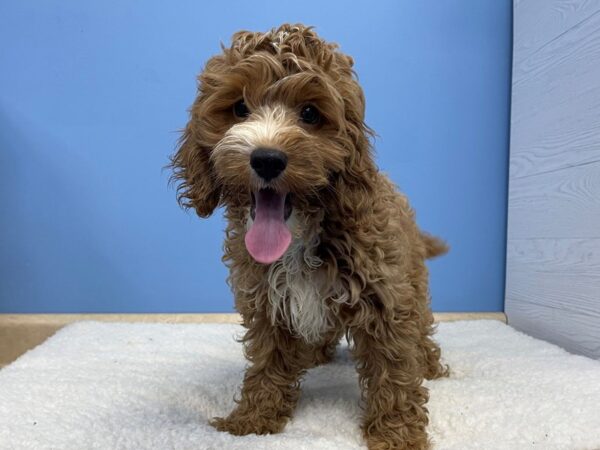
pixel 538 22
pixel 555 103
pixel 553 247
pixel 555 256
pixel 561 204
pixel 571 330
pixel 568 292
pixel 558 273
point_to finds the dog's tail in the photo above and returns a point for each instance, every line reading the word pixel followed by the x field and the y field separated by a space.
pixel 433 246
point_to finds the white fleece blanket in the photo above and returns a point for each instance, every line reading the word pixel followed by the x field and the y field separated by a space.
pixel 154 386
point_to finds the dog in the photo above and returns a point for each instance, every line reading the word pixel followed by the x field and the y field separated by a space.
pixel 319 244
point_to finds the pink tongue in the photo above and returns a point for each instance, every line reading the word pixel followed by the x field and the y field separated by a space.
pixel 268 238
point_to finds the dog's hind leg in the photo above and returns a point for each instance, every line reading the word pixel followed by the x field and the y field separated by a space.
pixel 430 353
pixel 432 367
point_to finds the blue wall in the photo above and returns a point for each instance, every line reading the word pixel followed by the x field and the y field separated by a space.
pixel 92 95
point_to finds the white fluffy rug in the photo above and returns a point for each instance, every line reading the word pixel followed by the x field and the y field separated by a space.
pixel 154 386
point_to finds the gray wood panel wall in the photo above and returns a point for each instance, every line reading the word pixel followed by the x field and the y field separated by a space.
pixel 553 248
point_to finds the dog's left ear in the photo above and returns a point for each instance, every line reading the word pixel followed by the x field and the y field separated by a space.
pixel 193 171
pixel 361 162
pixel 355 184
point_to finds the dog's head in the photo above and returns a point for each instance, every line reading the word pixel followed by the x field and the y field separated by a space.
pixel 278 120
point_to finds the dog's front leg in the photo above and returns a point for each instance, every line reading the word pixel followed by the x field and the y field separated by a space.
pixel 271 384
pixel 395 416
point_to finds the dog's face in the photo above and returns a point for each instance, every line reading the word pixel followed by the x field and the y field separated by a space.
pixel 278 118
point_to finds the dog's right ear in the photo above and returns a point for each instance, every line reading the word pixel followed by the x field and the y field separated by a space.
pixel 194 174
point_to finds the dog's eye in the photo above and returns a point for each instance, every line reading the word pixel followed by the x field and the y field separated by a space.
pixel 240 109
pixel 310 115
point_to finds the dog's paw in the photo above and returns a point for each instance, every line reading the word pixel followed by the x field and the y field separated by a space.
pixel 375 442
pixel 396 438
pixel 240 425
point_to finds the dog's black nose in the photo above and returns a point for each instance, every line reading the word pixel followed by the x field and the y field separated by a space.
pixel 268 163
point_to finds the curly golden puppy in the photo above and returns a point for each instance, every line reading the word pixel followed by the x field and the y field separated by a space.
pixel 319 243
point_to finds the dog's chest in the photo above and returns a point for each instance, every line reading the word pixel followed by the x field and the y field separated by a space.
pixel 299 293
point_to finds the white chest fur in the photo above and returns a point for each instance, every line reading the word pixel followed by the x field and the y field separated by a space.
pixel 296 291
pixel 299 293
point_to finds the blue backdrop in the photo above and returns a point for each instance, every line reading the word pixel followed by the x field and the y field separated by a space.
pixel 92 95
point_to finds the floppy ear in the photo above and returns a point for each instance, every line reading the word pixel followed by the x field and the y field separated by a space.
pixel 356 184
pixel 193 171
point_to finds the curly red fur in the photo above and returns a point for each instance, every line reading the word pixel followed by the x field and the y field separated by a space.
pixel 368 255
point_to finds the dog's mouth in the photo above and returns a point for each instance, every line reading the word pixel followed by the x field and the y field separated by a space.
pixel 287 206
pixel 269 237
